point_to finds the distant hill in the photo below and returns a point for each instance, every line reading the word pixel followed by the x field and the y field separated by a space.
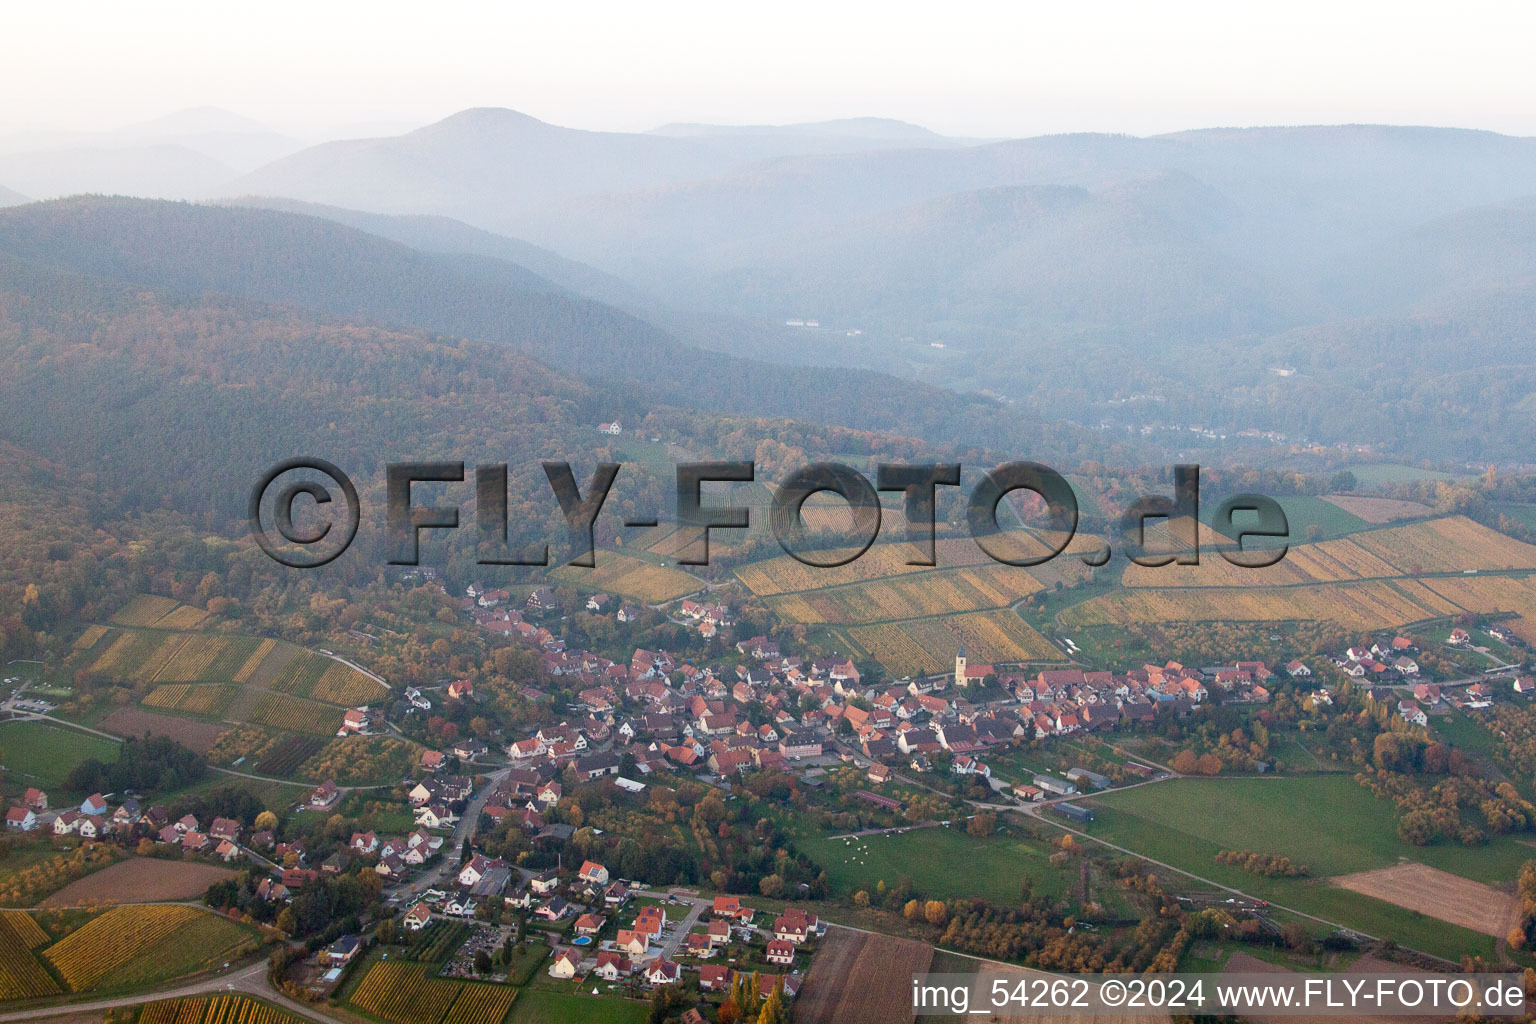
pixel 153 169
pixel 1480 251
pixel 314 264
pixel 485 163
pixel 870 129
pixel 9 198
pixel 446 235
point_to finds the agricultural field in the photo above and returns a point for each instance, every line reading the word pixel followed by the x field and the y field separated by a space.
pixel 190 698
pixel 284 759
pixel 1446 545
pixel 1437 894
pixel 408 994
pixel 144 610
pixel 1490 594
pixel 435 942
pixel 226 1009
pixel 885 561
pixel 39 754
pixel 1378 510
pixel 140 879
pixel 190 732
pixel 912 618
pixel 862 978
pixel 1358 606
pixel 130 946
pixel 1328 822
pixel 22 976
pixel 630 577
pixel 213 675
pixel 296 714
pixel 927 645
pixel 909 596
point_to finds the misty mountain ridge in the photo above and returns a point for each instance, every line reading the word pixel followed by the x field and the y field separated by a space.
pixel 436 234
pixel 319 266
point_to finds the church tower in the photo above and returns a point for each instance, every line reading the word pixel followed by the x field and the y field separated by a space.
pixel 960 668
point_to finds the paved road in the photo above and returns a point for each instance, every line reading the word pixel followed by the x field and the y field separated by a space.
pixel 696 907
pixel 465 829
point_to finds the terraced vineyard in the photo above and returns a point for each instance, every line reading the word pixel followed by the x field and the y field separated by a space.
pixel 138 945
pixel 408 994
pixel 436 941
pixel 1373 579
pixel 1360 606
pixel 928 645
pixel 217 675
pixel 21 975
pixel 1452 544
pixel 190 699
pixel 296 714
pixel 215 1010
pixel 631 577
pixel 912 618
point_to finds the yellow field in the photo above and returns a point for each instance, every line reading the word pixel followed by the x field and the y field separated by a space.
pixel 168 647
pixel 1371 605
pixel 910 596
pixel 21 975
pixel 88 639
pixel 1451 544
pixel 481 1004
pixel 144 610
pixel 295 714
pixel 86 956
pixel 192 659
pixel 929 645
pixel 341 684
pixel 629 576
pixel 199 699
pixel 184 617
pixel 406 994
pixel 215 1010
pixel 110 658
pixel 246 670
pixel 1489 594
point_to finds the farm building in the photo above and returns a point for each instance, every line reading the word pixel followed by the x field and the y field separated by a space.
pixel 1082 775
pixel 1074 812
pixel 1051 784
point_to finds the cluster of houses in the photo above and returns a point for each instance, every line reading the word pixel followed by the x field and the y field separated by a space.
pixel 774 709
pixel 95 819
pixel 1429 696
pixel 639 950
pixel 1383 660
pixel 708 619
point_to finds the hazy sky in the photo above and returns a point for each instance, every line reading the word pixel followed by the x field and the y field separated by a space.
pixel 992 69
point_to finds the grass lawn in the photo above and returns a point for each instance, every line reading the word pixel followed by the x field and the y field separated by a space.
pixel 1462 731
pixel 542 1006
pixel 1297 753
pixel 994 867
pixel 1373 474
pixel 37 754
pixel 1328 822
pixel 1301 512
